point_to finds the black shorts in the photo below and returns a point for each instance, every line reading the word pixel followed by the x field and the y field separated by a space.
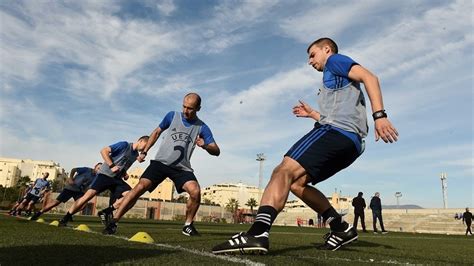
pixel 323 152
pixel 102 182
pixel 32 198
pixel 66 194
pixel 157 172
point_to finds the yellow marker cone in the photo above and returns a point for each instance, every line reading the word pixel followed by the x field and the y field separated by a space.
pixel 40 220
pixel 54 223
pixel 83 227
pixel 142 237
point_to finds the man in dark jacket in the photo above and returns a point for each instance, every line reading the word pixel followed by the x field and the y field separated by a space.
pixel 376 206
pixel 359 206
pixel 467 218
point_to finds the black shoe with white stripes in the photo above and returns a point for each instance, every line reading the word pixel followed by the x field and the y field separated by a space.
pixel 190 230
pixel 242 243
pixel 110 229
pixel 105 215
pixel 335 240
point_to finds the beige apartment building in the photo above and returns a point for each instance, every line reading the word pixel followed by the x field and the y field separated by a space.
pixel 164 191
pixel 221 193
pixel 11 169
pixel 337 201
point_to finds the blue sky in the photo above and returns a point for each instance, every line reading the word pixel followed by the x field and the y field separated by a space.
pixel 79 75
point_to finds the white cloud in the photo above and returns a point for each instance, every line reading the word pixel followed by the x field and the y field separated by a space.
pixel 166 7
pixel 416 50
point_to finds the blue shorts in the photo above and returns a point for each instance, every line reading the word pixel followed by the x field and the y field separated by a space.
pixel 323 152
pixel 66 194
pixel 32 198
pixel 157 172
pixel 115 185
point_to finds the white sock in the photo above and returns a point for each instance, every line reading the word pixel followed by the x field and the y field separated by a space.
pixel 187 223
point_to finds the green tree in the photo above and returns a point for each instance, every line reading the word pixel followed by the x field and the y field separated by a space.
pixel 181 199
pixel 232 205
pixel 23 181
pixel 251 203
pixel 208 202
pixel 56 185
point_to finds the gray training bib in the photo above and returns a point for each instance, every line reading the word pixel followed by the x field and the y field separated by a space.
pixel 179 143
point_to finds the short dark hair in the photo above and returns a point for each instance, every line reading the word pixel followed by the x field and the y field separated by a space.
pixel 144 138
pixel 198 98
pixel 324 41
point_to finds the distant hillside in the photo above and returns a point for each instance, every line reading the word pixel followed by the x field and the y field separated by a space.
pixel 408 206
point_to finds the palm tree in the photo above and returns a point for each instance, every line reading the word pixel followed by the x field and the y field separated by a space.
pixel 251 203
pixel 232 205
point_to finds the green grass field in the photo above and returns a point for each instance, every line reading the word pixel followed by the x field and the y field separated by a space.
pixel 25 242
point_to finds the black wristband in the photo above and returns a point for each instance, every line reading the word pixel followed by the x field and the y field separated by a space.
pixel 379 114
pixel 143 152
pixel 112 166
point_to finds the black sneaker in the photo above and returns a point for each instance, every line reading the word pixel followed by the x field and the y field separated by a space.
pixel 66 219
pixel 190 230
pixel 244 244
pixel 335 240
pixel 36 216
pixel 110 229
pixel 105 216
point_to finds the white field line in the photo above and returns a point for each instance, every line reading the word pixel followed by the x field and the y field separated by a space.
pixel 347 260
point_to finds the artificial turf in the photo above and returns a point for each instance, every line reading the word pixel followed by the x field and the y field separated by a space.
pixel 24 242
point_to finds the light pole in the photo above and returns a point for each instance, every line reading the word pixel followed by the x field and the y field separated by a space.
pixel 398 195
pixel 260 159
pixel 444 187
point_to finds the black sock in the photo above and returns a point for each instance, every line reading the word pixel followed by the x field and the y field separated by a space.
pixel 111 207
pixel 68 216
pixel 334 219
pixel 264 220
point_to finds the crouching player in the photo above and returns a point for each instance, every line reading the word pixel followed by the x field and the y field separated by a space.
pixel 117 160
pixel 77 183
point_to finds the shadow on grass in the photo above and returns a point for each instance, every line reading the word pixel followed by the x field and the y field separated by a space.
pixel 282 251
pixel 74 254
pixel 361 243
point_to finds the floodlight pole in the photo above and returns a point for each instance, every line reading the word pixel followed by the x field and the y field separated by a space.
pixel 398 195
pixel 444 187
pixel 260 159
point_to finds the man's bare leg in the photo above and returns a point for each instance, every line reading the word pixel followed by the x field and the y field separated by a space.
pixel 131 198
pixel 194 201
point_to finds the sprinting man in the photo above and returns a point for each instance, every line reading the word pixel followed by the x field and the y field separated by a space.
pixel 40 186
pixel 118 158
pixel 333 144
pixel 185 131
pixel 78 182
pixel 26 190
